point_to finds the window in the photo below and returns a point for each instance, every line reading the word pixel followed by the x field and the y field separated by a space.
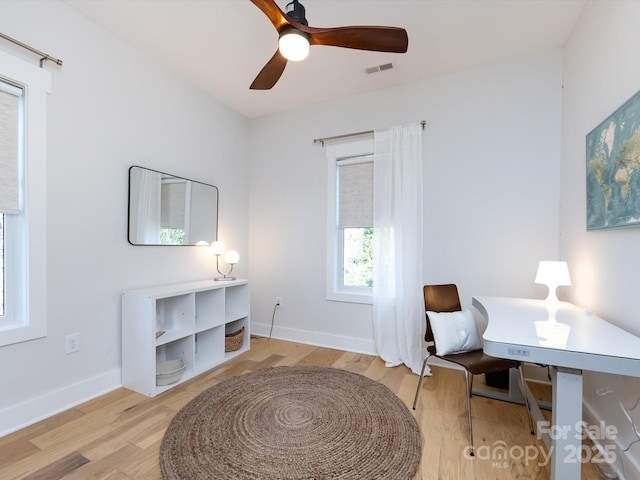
pixel 350 221
pixel 174 206
pixel 23 95
pixel 11 135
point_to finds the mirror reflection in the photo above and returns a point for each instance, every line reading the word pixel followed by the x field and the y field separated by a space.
pixel 169 210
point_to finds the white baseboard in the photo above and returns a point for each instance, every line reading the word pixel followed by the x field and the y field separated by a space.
pixel 318 339
pixel 33 410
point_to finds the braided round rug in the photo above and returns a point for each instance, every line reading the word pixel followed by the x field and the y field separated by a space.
pixel 293 423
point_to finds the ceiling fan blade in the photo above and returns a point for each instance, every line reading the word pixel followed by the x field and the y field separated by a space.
pixel 378 39
pixel 270 73
pixel 273 12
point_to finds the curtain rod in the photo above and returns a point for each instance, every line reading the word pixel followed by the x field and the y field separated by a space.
pixel 43 56
pixel 356 134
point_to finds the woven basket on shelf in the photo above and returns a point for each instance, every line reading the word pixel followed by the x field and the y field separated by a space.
pixel 233 341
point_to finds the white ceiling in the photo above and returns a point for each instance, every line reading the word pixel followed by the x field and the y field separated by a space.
pixel 221 45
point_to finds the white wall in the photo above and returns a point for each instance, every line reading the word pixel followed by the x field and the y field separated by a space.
pixel 491 153
pixel 601 72
pixel 110 108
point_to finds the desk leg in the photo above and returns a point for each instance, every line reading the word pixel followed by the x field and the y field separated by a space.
pixel 566 433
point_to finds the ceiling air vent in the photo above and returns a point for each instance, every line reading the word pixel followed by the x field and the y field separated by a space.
pixel 379 68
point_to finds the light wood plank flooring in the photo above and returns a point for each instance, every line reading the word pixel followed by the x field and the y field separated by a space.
pixel 118 435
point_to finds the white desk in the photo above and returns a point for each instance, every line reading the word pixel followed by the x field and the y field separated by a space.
pixel 519 329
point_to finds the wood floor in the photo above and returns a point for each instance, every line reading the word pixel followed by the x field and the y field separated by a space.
pixel 118 435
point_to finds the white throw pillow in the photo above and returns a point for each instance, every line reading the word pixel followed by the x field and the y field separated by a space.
pixel 454 332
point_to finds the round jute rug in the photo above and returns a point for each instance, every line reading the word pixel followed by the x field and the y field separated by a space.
pixel 293 423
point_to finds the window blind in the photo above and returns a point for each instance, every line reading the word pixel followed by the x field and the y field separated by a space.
pixel 9 168
pixel 355 193
pixel 173 197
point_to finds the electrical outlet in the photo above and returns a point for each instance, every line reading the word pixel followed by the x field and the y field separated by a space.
pixel 279 302
pixel 72 343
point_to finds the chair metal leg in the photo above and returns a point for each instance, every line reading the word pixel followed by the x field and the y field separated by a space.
pixel 526 398
pixel 424 364
pixel 469 383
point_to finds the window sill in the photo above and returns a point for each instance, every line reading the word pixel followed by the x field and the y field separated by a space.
pixel 10 334
pixel 350 297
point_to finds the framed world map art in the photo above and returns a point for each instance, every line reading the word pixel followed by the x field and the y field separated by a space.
pixel 613 169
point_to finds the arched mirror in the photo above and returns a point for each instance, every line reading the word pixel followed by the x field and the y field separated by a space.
pixel 169 210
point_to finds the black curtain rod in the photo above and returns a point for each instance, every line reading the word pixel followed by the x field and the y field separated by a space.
pixel 357 134
pixel 43 56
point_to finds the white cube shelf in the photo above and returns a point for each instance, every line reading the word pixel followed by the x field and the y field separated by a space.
pixel 185 321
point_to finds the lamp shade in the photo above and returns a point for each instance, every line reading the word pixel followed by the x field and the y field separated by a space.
pixel 231 257
pixel 293 45
pixel 553 273
pixel 217 248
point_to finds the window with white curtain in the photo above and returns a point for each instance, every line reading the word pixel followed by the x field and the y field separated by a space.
pixel 350 221
pixel 23 99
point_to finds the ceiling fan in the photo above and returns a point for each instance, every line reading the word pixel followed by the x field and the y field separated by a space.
pixel 296 35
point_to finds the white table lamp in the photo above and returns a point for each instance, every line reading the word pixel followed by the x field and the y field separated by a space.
pixel 231 258
pixel 553 275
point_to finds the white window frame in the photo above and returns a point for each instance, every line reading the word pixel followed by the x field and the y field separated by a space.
pixel 335 290
pixel 26 261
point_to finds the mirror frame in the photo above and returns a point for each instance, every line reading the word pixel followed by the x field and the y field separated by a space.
pixel 164 174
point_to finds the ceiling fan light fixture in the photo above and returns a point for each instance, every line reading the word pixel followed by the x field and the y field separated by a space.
pixel 293 44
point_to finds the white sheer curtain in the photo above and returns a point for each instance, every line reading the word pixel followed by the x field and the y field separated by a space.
pixel 398 308
pixel 145 207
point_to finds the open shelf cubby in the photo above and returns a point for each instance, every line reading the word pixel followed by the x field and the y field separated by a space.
pixel 209 308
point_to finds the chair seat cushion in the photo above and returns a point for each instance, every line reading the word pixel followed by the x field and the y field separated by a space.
pixel 454 332
pixel 477 361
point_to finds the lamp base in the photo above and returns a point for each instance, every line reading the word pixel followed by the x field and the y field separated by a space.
pixel 224 279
